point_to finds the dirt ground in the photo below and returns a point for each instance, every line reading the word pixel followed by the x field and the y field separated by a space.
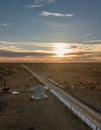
pixel 19 112
pixel 68 74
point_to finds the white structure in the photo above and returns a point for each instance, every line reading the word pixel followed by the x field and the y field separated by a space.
pixel 39 92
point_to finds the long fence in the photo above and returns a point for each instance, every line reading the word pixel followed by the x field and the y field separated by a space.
pixel 76 111
pixel 86 114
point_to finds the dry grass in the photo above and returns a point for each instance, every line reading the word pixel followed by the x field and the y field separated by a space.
pixel 80 79
pixel 18 112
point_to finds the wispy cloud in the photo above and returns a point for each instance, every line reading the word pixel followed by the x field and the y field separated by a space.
pixel 88 34
pixel 93 41
pixel 25 46
pixel 51 0
pixel 39 3
pixel 85 53
pixel 6 53
pixel 36 37
pixel 43 1
pixel 45 13
pixel 33 6
pixel 4 24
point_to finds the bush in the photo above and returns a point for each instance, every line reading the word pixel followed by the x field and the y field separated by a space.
pixel 5 71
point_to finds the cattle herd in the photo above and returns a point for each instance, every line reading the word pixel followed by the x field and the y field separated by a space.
pixel 83 85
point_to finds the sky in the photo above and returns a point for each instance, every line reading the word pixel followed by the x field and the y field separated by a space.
pixel 50 30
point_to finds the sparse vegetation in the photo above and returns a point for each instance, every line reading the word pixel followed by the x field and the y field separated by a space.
pixel 50 114
pixel 82 79
pixel 5 72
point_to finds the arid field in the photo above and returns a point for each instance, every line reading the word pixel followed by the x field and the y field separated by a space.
pixel 19 112
pixel 83 80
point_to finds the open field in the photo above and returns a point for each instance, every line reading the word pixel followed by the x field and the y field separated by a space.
pixel 83 80
pixel 69 72
pixel 19 112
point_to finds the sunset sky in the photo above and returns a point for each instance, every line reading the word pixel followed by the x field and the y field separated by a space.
pixel 50 30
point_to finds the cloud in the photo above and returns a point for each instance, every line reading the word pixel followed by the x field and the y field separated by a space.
pixel 44 1
pixel 83 56
pixel 7 53
pixel 73 46
pixel 32 6
pixel 93 41
pixel 39 3
pixel 10 46
pixel 85 53
pixel 4 24
pixel 45 51
pixel 25 46
pixel 51 0
pixel 36 37
pixel 7 43
pixel 88 34
pixel 45 13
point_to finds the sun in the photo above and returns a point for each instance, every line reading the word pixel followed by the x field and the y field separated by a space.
pixel 60 50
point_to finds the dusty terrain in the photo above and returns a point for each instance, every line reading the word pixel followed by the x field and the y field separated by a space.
pixel 80 79
pixel 69 72
pixel 19 112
